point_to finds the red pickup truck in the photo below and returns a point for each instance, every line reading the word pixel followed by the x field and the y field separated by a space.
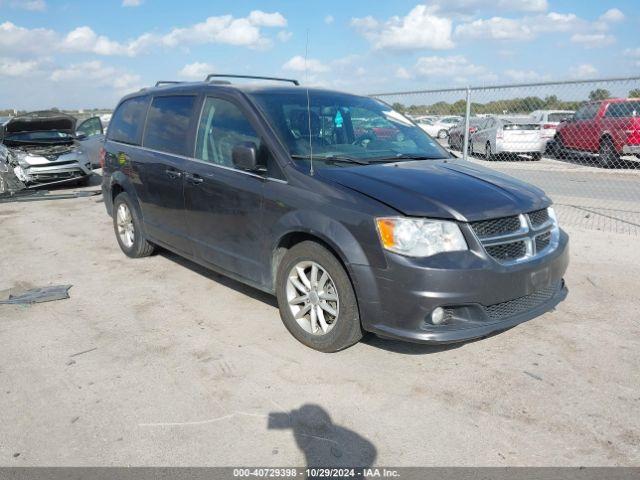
pixel 610 128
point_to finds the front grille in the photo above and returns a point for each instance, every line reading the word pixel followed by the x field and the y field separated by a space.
pixel 539 217
pixel 543 241
pixel 519 305
pixel 507 251
pixel 497 226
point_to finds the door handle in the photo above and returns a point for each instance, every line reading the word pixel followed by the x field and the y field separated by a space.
pixel 173 173
pixel 193 179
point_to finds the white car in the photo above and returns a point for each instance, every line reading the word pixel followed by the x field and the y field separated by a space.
pixel 549 121
pixel 440 127
pixel 497 136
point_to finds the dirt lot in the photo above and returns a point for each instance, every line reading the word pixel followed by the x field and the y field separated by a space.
pixel 159 362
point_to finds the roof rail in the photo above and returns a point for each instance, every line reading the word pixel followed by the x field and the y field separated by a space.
pixel 277 79
pixel 159 83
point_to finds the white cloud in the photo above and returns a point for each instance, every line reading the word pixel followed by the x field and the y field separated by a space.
pixel 263 19
pixel 84 39
pixel 419 29
pixel 403 73
pixel 11 67
pixel 284 36
pixel 23 40
pixel 632 52
pixel 131 3
pixel 99 74
pixel 298 64
pixel 525 28
pixel 593 40
pixel 329 19
pixel 585 70
pixel 449 66
pixel 196 71
pixel 612 15
pixel 468 7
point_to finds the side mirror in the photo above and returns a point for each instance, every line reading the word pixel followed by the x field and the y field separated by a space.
pixel 245 157
pixel 81 135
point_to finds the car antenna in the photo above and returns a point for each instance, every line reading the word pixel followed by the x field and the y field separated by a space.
pixel 306 81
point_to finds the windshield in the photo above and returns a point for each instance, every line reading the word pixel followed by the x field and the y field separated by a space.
pixel 345 127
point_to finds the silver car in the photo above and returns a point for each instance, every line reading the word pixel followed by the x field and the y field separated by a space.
pixel 499 136
pixel 43 148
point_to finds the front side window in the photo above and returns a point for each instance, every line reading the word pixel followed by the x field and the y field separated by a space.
pixel 168 121
pixel 341 128
pixel 126 124
pixel 91 127
pixel 623 110
pixel 222 127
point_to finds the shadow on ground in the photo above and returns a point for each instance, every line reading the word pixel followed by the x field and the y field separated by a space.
pixel 323 443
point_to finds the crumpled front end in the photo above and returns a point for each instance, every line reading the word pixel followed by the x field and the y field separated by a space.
pixel 48 164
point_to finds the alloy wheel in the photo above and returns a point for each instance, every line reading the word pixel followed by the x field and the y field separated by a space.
pixel 312 297
pixel 124 221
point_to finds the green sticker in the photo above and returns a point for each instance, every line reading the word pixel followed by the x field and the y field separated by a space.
pixel 338 120
pixel 122 158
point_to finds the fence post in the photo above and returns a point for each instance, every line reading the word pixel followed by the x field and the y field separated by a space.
pixel 465 146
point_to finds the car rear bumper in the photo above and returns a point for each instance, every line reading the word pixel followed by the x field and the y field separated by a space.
pixel 479 295
pixel 631 149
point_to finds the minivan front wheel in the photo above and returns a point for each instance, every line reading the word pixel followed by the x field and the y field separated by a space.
pixel 126 225
pixel 316 299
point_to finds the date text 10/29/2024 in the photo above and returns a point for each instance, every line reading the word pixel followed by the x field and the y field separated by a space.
pixel 316 472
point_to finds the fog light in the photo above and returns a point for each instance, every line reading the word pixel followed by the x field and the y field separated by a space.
pixel 438 316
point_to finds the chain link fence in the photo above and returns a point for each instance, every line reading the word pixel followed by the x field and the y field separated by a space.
pixel 579 141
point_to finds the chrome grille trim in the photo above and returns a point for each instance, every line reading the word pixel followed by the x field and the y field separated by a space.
pixel 537 232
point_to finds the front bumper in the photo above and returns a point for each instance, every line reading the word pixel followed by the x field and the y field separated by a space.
pixel 631 150
pixel 479 295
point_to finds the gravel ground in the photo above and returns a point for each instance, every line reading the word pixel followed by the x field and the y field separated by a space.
pixel 159 362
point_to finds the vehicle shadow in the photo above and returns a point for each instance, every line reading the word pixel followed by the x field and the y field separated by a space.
pixel 323 443
pixel 219 278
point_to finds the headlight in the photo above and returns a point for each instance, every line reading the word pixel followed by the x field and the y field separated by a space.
pixel 419 237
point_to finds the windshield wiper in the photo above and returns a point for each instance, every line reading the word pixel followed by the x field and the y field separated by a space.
pixel 404 156
pixel 332 158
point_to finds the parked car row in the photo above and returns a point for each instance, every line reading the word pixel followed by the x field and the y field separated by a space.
pixel 609 128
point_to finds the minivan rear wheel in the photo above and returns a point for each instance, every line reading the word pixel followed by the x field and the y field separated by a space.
pixel 126 225
pixel 316 299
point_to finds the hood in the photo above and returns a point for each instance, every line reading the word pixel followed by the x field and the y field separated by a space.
pixel 441 189
pixel 41 121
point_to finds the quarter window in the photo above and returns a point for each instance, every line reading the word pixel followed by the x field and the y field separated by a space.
pixel 126 124
pixel 222 127
pixel 168 123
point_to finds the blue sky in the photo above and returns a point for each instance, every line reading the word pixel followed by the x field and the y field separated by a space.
pixel 80 54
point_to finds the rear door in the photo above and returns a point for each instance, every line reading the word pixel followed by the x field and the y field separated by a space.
pixel 168 141
pixel 576 133
pixel 224 204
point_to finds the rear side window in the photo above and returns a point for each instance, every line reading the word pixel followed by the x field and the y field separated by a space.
pixel 126 124
pixel 622 110
pixel 587 112
pixel 168 124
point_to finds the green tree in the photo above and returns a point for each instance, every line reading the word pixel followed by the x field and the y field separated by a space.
pixel 599 94
pixel 635 93
pixel 398 107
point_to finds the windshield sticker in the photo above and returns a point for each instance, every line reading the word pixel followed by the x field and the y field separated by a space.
pixel 338 121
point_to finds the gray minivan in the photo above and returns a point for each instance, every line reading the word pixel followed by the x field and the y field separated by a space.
pixel 345 209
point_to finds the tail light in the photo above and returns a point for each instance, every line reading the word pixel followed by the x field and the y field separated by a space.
pixel 548 126
pixel 473 129
pixel 499 134
pixel 103 154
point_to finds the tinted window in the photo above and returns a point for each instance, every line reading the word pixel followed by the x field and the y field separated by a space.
pixel 622 110
pixel 168 121
pixel 91 127
pixel 587 112
pixel 126 124
pixel 222 127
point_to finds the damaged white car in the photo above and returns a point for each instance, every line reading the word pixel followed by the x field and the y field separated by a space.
pixel 42 148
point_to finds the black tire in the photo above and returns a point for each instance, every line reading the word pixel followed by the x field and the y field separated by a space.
pixel 347 329
pixel 557 148
pixel 140 246
pixel 608 156
pixel 536 156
